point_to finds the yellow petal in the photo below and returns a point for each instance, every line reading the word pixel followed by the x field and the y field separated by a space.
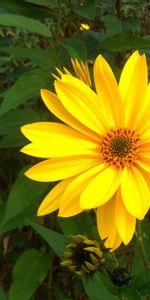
pixel 54 105
pixel 81 71
pixel 135 192
pixel 70 207
pixel 125 222
pixel 61 147
pixel 108 92
pixel 70 202
pixel 52 200
pixel 127 75
pixel 143 124
pixel 48 130
pixel 80 101
pixel 101 188
pixel 136 93
pixel 144 162
pixel 60 168
pixel 146 137
pixel 106 225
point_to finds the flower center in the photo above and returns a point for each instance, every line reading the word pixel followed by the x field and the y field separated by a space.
pixel 120 147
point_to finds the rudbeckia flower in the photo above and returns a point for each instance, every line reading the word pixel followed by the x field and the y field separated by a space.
pixel 84 256
pixel 101 156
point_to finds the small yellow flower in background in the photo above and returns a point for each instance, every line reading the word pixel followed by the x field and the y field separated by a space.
pixel 83 255
pixel 102 155
pixel 84 27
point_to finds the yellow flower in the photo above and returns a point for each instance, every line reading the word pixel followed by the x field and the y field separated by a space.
pixel 84 255
pixel 102 155
pixel 84 27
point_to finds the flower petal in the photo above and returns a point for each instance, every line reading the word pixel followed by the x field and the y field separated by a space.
pixel 60 148
pixel 127 74
pixel 54 105
pixel 101 188
pixel 136 92
pixel 47 130
pixel 108 92
pixel 60 168
pixel 52 200
pixel 143 124
pixel 144 163
pixel 135 192
pixel 106 225
pixel 70 202
pixel 125 222
pixel 81 70
pixel 80 101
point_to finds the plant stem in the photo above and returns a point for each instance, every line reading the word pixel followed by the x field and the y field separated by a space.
pixel 139 238
pixel 50 276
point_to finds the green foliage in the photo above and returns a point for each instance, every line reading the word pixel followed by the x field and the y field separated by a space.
pixel 76 48
pixel 43 58
pixel 87 10
pixel 28 273
pixel 2 295
pixel 22 202
pixel 24 23
pixel 28 85
pixel 35 37
pixel 96 289
pixel 55 240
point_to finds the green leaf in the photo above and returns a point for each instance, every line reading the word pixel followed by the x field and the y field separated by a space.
pixel 10 124
pixel 50 3
pixel 95 288
pixel 131 293
pixel 25 9
pixel 113 25
pixel 26 23
pixel 56 240
pixel 145 288
pixel 76 48
pixel 123 42
pixel 79 224
pixel 87 9
pixel 22 194
pixel 12 140
pixel 28 273
pixel 44 58
pixel 2 295
pixel 141 274
pixel 93 41
pixel 131 25
pixel 27 86
pixel 14 119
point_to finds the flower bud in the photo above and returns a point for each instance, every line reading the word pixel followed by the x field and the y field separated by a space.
pixel 83 255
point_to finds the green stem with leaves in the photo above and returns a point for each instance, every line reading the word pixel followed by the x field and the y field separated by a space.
pixel 139 238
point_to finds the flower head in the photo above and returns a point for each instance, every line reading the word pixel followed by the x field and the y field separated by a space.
pixel 84 255
pixel 102 153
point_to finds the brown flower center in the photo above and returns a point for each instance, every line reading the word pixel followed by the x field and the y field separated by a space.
pixel 120 147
